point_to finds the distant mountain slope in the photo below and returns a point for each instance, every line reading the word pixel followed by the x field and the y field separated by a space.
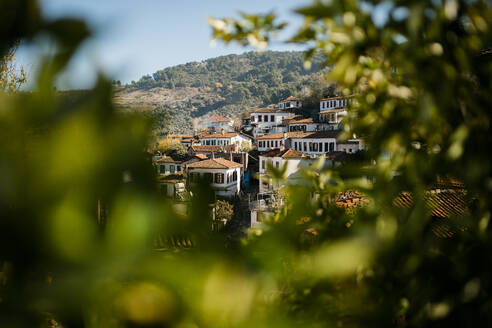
pixel 226 85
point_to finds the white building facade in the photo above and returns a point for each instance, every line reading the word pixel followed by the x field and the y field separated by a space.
pixel 268 120
pixel 225 139
pixel 315 143
pixel 223 175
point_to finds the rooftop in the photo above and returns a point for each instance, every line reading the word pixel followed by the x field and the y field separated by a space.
pixel 291 98
pixel 218 135
pixel 218 118
pixel 317 134
pixel 270 110
pixel 285 153
pixel 208 148
pixel 215 163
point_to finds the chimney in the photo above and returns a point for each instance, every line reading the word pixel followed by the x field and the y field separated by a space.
pixel 222 131
pixel 285 135
pixel 230 156
pixel 212 156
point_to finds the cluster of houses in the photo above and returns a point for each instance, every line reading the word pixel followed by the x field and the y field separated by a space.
pixel 235 160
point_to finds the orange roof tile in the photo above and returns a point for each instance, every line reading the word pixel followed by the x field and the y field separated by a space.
pixel 215 163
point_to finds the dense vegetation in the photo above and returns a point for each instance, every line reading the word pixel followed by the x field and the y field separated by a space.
pixel 227 85
pixel 81 220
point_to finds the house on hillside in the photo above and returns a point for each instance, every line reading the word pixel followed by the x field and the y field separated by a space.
pixel 226 139
pixel 218 122
pixel 223 175
pixel 315 143
pixel 332 111
pixel 292 159
pixel 299 123
pixel 268 120
pixel 290 102
pixel 166 165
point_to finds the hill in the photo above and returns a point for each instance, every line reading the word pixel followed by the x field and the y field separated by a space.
pixel 227 85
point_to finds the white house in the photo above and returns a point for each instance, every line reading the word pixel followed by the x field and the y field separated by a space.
pixel 271 141
pixel 349 146
pixel 224 175
pixel 315 143
pixel 166 165
pixel 290 102
pixel 302 124
pixel 334 102
pixel 225 139
pixel 293 161
pixel 218 122
pixel 332 111
pixel 268 120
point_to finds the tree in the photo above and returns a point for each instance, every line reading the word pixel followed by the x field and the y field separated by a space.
pixel 10 79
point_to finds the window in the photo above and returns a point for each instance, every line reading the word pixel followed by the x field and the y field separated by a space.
pixel 263 165
pixel 259 118
pixel 272 118
pixel 268 143
pixel 265 118
pixel 277 164
pixel 295 145
pixel 276 143
pixel 234 176
pixel 162 169
pixel 305 146
pixel 219 178
pixel 332 146
pixel 314 146
pixel 172 168
pixel 178 168
pixel 350 150
pixel 326 147
pixel 260 144
pixel 320 149
pixel 228 178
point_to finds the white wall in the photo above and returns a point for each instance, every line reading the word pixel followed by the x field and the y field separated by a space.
pixel 311 150
pixel 222 189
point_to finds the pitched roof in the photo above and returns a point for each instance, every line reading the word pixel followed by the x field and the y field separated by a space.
pixel 166 159
pixel 337 97
pixel 291 98
pixel 284 153
pixel 317 134
pixel 210 148
pixel 270 110
pixel 215 163
pixel 279 135
pixel 218 118
pixel 218 135
pixel 302 121
pixel 441 204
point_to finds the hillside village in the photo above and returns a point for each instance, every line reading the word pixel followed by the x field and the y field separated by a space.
pixel 234 155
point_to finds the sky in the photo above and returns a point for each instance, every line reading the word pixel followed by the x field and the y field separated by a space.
pixel 137 37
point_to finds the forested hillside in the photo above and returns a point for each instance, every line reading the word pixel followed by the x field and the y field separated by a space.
pixel 227 85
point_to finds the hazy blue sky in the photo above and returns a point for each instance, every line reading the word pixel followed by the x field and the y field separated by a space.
pixel 137 37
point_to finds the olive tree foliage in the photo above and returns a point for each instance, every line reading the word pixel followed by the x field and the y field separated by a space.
pixel 86 240
pixel 10 78
pixel 421 76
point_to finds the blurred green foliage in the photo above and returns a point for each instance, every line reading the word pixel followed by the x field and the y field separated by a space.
pixel 424 101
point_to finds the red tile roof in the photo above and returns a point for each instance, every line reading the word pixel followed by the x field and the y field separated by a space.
pixel 166 159
pixel 210 148
pixel 291 98
pixel 285 153
pixel 279 135
pixel 270 110
pixel 215 163
pixel 218 135
pixel 218 118
pixel 317 134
